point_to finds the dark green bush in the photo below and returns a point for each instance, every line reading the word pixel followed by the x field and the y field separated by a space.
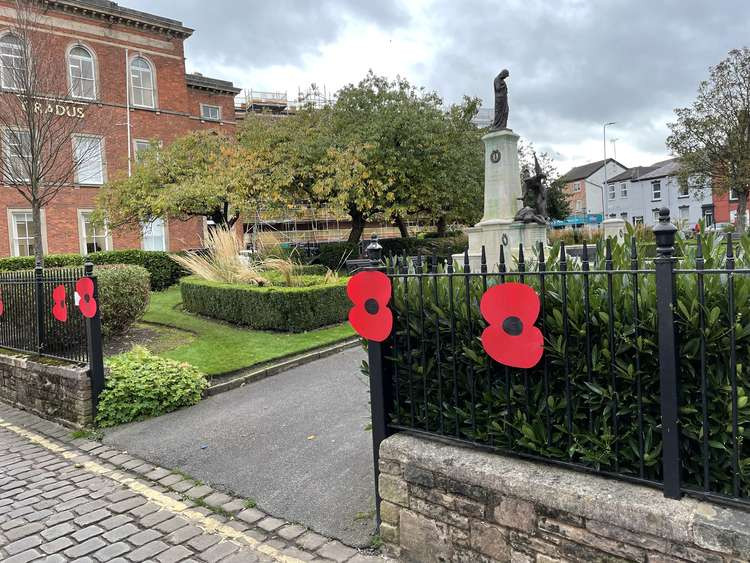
pixel 164 271
pixel 123 296
pixel 586 383
pixel 15 263
pixel 287 309
pixel 333 254
pixel 141 385
pixel 311 269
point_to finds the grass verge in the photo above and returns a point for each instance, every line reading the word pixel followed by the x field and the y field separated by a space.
pixel 218 347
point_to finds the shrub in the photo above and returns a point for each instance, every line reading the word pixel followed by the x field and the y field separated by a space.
pixel 584 373
pixel 123 296
pixel 288 309
pixel 311 269
pixel 15 263
pixel 141 385
pixel 164 271
pixel 333 254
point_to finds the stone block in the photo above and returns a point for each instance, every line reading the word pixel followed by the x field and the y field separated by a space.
pixel 389 512
pixel 440 513
pixel 520 557
pixel 389 466
pixel 515 513
pixel 490 540
pixel 422 539
pixel 419 476
pixel 393 489
pixel 584 537
pixel 722 529
pixel 644 541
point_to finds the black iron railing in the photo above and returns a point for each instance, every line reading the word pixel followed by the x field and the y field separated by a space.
pixel 645 374
pixel 28 323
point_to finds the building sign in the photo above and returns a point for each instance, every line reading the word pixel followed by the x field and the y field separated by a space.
pixel 60 109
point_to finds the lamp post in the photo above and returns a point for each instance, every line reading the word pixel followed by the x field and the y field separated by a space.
pixel 614 147
pixel 604 136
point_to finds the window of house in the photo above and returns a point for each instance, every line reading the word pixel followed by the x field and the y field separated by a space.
pixel 732 194
pixel 656 215
pixel 82 80
pixel 94 238
pixel 576 187
pixel 12 62
pixel 623 190
pixel 142 83
pixel 656 190
pixel 22 233
pixel 624 215
pixel 89 160
pixel 682 189
pixel 154 235
pixel 17 152
pixel 684 213
pixel 708 217
pixel 611 191
pixel 579 205
pixel 638 220
pixel 211 113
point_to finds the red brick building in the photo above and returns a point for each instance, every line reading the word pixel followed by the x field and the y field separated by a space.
pixel 129 67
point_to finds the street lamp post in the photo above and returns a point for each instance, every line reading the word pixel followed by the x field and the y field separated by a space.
pixel 604 136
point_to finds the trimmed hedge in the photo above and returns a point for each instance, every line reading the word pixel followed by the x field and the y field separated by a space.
pixel 332 254
pixel 286 309
pixel 163 270
pixel 123 296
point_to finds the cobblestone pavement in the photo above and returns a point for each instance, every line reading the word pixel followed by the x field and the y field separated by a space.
pixel 65 499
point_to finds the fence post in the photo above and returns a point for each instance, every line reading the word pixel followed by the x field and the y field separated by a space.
pixel 664 233
pixel 39 295
pixel 94 344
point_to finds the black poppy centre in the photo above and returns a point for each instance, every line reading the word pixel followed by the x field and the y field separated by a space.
pixel 371 306
pixel 513 326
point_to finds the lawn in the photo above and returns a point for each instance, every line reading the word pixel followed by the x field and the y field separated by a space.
pixel 215 347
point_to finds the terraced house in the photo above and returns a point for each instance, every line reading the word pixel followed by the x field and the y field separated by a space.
pixel 124 71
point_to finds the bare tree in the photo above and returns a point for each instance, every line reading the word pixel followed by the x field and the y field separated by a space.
pixel 712 137
pixel 44 115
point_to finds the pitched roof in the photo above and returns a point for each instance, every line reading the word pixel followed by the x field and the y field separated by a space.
pixel 656 170
pixel 586 170
pixel 667 168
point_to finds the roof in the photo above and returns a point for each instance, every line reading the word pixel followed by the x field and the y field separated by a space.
pixel 659 169
pixel 197 80
pixel 112 12
pixel 586 170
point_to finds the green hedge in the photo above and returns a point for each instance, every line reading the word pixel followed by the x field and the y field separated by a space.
pixel 287 309
pixel 163 270
pixel 332 254
pixel 123 296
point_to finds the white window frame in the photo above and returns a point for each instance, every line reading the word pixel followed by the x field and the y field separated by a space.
pixel 683 213
pixel 579 205
pixel 8 80
pixel 733 194
pixel 137 144
pixel 82 234
pixel 12 232
pixel 637 219
pixel 679 190
pixel 656 215
pixel 576 187
pixel 623 190
pixel 89 181
pixel 138 74
pixel 92 79
pixel 209 118
pixel 654 190
pixel 611 191
pixel 146 229
pixel 23 159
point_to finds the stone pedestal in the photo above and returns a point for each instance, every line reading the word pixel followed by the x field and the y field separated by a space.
pixel 615 228
pixel 502 200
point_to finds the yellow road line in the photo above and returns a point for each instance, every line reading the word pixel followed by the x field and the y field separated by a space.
pixel 160 499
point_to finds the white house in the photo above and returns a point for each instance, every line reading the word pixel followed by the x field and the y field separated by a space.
pixel 638 193
pixel 585 185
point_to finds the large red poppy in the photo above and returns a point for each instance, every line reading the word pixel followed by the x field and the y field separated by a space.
pixel 370 292
pixel 2 306
pixel 60 306
pixel 511 339
pixel 85 297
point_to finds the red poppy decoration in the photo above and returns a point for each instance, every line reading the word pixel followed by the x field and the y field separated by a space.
pixel 85 297
pixel 60 306
pixel 370 316
pixel 511 339
pixel 2 306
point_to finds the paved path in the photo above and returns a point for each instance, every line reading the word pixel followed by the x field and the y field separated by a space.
pixel 297 443
pixel 65 499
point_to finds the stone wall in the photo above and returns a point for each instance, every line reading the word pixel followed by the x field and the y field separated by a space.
pixel 56 391
pixel 443 502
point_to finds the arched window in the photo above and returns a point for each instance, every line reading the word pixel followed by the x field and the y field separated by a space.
pixel 12 63
pixel 82 75
pixel 142 83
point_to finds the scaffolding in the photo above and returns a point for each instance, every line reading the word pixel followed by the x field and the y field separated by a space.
pixel 279 103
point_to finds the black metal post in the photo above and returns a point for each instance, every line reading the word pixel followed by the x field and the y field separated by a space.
pixel 380 403
pixel 94 343
pixel 39 298
pixel 664 233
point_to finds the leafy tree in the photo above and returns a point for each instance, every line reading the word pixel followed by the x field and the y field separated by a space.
pixel 712 137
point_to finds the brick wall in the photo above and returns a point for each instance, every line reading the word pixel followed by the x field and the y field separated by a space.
pixel 177 112
pixel 57 392
pixel 445 503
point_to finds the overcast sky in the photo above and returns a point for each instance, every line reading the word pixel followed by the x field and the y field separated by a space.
pixel 574 64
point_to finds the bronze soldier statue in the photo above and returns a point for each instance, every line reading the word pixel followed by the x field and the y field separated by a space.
pixel 534 197
pixel 501 102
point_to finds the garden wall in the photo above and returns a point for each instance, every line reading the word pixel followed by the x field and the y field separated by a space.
pixel 58 392
pixel 443 502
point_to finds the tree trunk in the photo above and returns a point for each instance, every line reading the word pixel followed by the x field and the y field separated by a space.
pixel 741 207
pixel 358 226
pixel 441 226
pixel 402 228
pixel 36 216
